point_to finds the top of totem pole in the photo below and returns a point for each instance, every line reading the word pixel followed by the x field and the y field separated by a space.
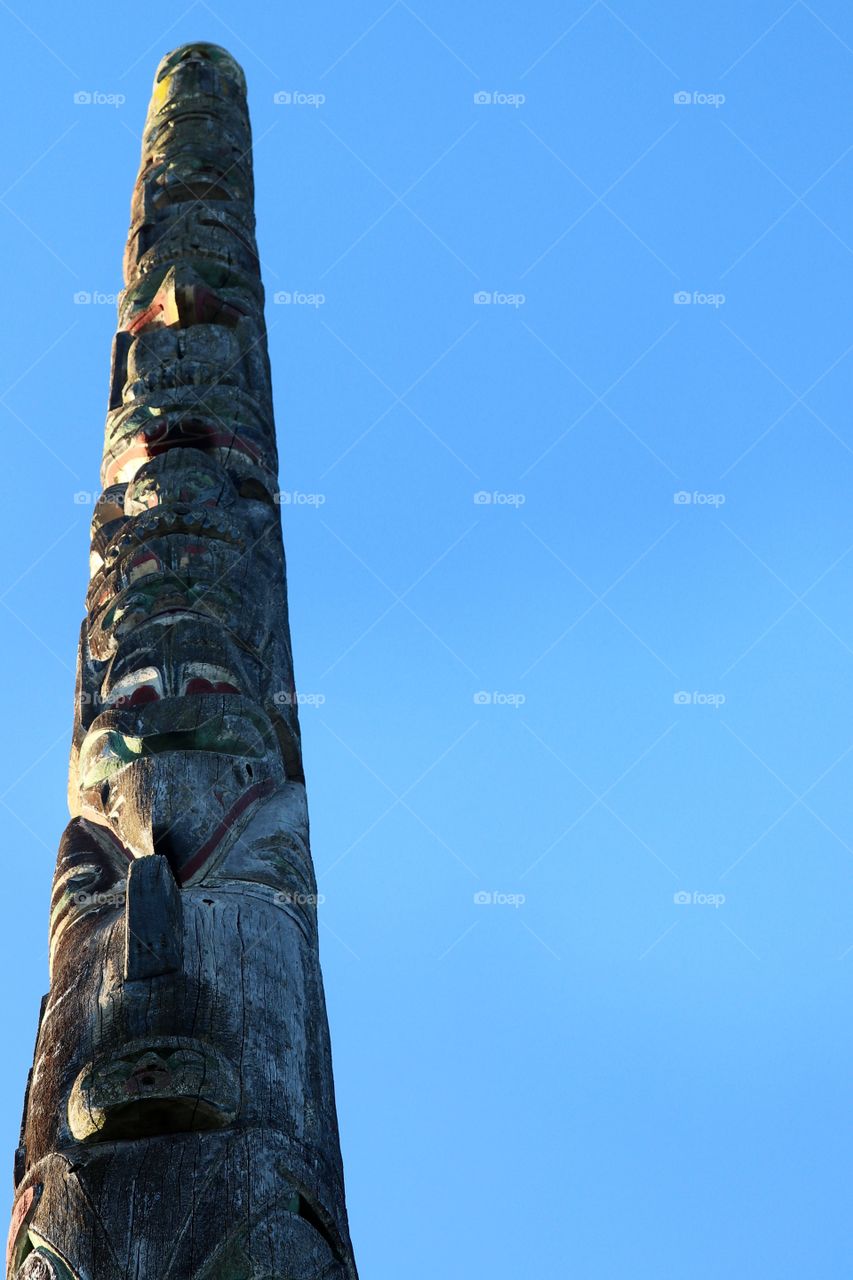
pixel 200 52
pixel 197 76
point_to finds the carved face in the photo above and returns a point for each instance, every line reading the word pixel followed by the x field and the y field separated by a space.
pixel 239 1213
pixel 180 478
pixel 165 1000
pixel 185 1016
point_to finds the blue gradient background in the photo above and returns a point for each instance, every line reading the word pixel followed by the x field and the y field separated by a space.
pixel 598 1082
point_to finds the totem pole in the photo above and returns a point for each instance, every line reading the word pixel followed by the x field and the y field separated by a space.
pixel 180 1116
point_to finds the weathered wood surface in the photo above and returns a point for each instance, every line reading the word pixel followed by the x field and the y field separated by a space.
pixel 180 1120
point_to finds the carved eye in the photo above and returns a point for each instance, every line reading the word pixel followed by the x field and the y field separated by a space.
pixel 86 888
pixel 199 684
pixel 205 677
pixel 142 565
pixel 136 688
pixel 97 894
pixel 83 878
pixel 145 693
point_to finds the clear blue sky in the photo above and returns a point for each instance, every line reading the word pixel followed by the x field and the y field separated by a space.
pixel 598 1081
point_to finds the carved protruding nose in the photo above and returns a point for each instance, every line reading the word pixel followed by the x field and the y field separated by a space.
pixel 153 918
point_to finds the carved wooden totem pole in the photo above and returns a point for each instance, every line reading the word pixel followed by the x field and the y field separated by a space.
pixel 180 1117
